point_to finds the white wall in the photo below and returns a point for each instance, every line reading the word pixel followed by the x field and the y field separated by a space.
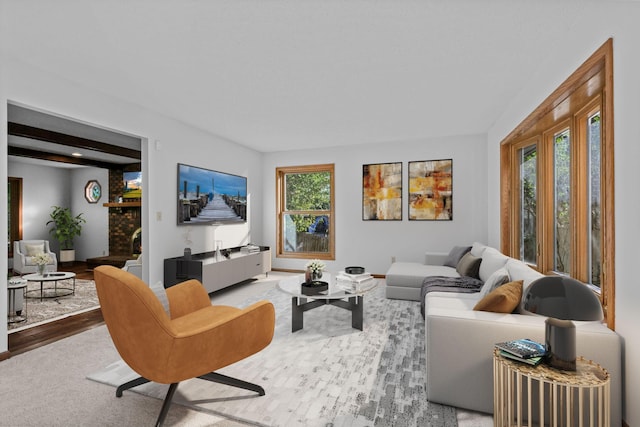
pixel 94 240
pixel 165 143
pixel 595 26
pixel 203 150
pixel 373 243
pixel 42 188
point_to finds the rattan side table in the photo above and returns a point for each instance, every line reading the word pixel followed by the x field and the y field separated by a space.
pixel 523 395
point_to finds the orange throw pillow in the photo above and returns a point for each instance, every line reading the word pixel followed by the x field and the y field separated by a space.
pixel 503 299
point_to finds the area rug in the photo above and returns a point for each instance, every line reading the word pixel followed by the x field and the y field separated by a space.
pixel 84 298
pixel 327 374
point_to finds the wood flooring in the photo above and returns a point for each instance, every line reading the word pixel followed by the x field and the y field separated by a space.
pixel 37 336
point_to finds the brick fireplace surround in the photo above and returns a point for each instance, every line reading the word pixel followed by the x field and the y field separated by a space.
pixel 124 227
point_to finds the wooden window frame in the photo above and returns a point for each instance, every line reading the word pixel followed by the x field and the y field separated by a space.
pixel 281 172
pixel 546 175
pixel 517 205
pixel 588 89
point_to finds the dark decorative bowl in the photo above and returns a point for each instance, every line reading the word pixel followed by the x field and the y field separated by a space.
pixel 315 287
pixel 354 270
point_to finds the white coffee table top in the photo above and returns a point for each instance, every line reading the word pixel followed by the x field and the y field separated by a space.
pixel 49 277
pixel 292 286
pixel 16 282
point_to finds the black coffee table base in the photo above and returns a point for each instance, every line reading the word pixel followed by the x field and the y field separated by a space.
pixel 299 305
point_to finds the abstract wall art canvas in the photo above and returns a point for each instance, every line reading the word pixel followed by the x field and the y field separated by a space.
pixel 431 190
pixel 382 192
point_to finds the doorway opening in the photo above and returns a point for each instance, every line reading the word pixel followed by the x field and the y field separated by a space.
pixel 42 142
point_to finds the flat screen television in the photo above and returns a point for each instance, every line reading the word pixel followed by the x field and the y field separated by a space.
pixel 210 197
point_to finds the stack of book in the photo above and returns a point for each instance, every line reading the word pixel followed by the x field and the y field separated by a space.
pixel 249 249
pixel 523 350
pixel 352 282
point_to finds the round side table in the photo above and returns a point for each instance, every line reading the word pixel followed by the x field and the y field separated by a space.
pixel 14 285
pixel 524 394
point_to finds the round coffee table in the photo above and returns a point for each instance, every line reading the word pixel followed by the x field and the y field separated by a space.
pixel 56 291
pixel 352 300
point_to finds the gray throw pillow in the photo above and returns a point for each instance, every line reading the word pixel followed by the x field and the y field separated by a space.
pixel 497 279
pixel 469 265
pixel 455 255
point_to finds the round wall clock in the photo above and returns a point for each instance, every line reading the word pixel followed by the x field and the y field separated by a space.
pixel 92 191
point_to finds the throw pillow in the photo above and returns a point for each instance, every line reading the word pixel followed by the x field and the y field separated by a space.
pixel 477 249
pixel 455 255
pixel 469 265
pixel 492 259
pixel 503 299
pixel 498 278
pixel 161 293
pixel 34 249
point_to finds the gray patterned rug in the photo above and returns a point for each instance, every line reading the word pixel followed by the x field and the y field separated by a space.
pixel 327 374
pixel 84 298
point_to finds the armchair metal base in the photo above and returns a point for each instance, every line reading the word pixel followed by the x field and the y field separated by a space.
pixel 211 376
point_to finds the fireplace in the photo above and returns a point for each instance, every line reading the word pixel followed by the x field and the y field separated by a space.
pixel 125 226
pixel 124 222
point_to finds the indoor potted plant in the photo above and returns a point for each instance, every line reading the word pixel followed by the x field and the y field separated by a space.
pixel 312 284
pixel 65 228
pixel 315 268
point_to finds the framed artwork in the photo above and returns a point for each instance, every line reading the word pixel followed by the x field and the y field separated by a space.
pixel 132 186
pixel 431 190
pixel 382 192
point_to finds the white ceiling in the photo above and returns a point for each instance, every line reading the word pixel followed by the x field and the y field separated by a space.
pixel 278 75
pixel 37 119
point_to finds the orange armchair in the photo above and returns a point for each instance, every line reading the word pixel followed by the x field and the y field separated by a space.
pixel 195 340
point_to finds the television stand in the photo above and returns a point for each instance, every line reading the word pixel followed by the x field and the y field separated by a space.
pixel 218 273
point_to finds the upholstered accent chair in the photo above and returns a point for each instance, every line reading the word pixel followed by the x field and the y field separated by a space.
pixel 193 340
pixel 24 250
pixel 134 266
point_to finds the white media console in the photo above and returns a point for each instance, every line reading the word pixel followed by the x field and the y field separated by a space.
pixel 218 272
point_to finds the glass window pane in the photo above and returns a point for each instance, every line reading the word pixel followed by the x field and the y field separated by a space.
pixel 595 235
pixel 305 209
pixel 308 191
pixel 562 201
pixel 306 233
pixel 528 203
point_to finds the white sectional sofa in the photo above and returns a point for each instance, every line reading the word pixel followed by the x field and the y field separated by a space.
pixel 459 341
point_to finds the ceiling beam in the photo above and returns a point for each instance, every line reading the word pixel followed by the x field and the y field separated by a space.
pixel 35 154
pixel 26 131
